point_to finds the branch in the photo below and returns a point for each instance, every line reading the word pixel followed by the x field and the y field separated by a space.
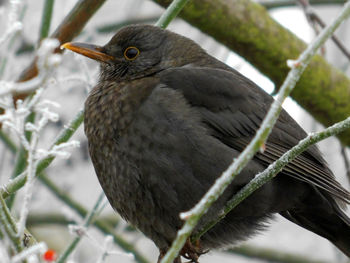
pixel 192 217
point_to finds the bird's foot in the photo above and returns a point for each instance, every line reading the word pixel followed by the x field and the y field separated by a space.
pixel 192 251
pixel 189 251
pixel 162 254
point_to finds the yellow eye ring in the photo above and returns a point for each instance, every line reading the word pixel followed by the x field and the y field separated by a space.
pixel 131 53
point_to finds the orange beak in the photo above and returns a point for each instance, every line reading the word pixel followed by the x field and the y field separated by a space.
pixel 91 51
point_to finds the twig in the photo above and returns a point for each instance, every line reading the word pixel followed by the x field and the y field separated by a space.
pixel 274 169
pixel 270 4
pixel 271 255
pixel 115 26
pixel 9 226
pixel 170 13
pixel 192 217
pixel 60 219
pixel 46 19
pixel 7 141
pixel 64 136
pixel 22 154
pixel 314 18
pixel 101 225
pixel 21 160
pixel 19 181
pixel 35 249
pixel 88 220
pixel 13 23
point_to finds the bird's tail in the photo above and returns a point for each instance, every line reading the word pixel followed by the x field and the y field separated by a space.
pixel 323 216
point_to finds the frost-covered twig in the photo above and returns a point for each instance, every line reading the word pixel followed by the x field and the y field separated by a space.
pixel 15 184
pixel 273 169
pixel 101 225
pixel 39 248
pixel 47 62
pixel 107 251
pixel 13 23
pixel 192 217
pixel 80 230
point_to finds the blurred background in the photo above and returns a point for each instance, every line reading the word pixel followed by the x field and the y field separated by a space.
pixel 48 215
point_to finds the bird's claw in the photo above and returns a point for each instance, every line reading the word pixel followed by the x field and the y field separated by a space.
pixel 192 251
pixel 189 251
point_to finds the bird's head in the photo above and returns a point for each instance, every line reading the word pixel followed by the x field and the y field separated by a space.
pixel 140 50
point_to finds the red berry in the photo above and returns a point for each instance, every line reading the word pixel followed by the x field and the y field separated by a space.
pixel 50 255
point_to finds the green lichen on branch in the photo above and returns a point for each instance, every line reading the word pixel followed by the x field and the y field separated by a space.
pixel 247 28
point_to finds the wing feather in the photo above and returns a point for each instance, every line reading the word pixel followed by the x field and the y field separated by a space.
pixel 227 103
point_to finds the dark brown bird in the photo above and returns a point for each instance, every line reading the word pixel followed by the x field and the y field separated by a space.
pixel 166 119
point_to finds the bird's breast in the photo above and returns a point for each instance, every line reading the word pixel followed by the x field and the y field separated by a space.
pixel 111 107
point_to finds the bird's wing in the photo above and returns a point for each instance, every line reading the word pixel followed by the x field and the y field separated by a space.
pixel 233 107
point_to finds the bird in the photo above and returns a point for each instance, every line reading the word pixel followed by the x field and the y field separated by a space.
pixel 163 122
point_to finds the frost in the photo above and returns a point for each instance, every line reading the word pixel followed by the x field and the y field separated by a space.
pixel 13 23
pixel 30 253
pixel 293 63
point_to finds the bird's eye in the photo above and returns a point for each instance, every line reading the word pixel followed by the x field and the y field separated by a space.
pixel 131 53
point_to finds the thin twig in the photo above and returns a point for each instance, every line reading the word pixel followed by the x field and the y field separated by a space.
pixel 271 255
pixel 192 217
pixel 46 19
pixel 64 136
pixel 36 219
pixel 270 4
pixel 170 13
pixel 7 141
pixel 113 27
pixel 273 169
pixel 88 220
pixel 22 154
pixel 314 18
pixel 9 226
pixel 101 225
